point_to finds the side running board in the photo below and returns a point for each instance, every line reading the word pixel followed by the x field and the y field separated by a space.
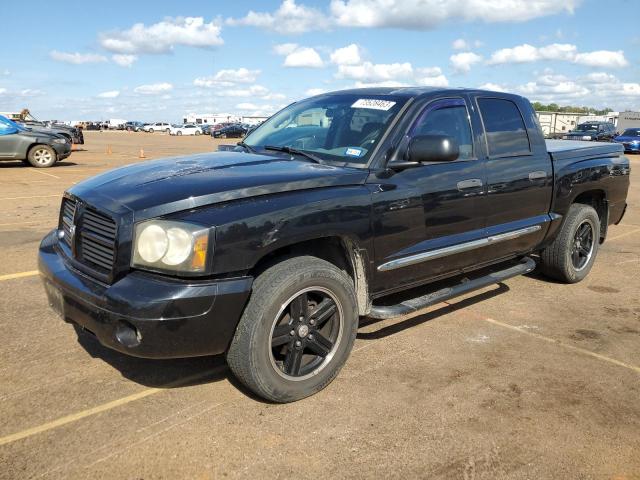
pixel 381 312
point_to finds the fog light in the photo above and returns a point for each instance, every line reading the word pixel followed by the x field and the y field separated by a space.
pixel 127 334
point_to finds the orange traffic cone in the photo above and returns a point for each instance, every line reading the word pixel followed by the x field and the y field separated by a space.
pixel 109 151
pixel 141 155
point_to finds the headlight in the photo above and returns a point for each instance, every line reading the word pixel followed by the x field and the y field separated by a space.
pixel 171 246
pixel 61 141
pixel 586 137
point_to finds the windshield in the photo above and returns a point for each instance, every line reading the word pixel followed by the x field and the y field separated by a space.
pixel 585 127
pixel 8 126
pixel 340 127
pixel 631 132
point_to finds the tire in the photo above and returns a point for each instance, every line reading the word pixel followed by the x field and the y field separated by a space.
pixel 179 133
pixel 263 367
pixel 151 130
pixel 42 156
pixel 168 130
pixel 559 258
pixel 197 133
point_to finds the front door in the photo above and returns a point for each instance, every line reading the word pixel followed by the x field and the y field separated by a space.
pixel 425 216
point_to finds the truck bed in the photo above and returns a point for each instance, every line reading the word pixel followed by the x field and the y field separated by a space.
pixel 577 150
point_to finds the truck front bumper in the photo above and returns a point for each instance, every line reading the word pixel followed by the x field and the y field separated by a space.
pixel 145 315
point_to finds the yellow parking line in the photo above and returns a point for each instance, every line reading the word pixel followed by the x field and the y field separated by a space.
pixel 104 407
pixel 43 173
pixel 34 196
pixel 11 276
pixel 624 234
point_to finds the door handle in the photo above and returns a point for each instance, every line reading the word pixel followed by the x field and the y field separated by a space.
pixel 399 204
pixel 538 175
pixel 470 183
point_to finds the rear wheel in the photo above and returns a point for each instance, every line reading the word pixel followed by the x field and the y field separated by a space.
pixel 572 254
pixel 179 133
pixel 296 331
pixel 151 130
pixel 42 156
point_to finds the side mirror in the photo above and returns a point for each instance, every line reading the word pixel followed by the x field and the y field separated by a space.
pixel 433 148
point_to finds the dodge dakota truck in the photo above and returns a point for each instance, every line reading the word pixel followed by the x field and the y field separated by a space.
pixel 358 203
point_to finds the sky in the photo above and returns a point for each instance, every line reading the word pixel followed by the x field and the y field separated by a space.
pixel 159 60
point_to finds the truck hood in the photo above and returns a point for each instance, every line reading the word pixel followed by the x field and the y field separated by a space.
pixel 161 187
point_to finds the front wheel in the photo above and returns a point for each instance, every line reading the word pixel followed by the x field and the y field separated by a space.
pixel 572 254
pixel 297 330
pixel 197 133
pixel 179 133
pixel 151 130
pixel 42 156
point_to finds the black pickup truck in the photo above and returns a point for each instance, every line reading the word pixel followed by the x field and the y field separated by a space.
pixel 271 252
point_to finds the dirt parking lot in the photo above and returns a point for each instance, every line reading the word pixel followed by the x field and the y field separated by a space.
pixel 530 379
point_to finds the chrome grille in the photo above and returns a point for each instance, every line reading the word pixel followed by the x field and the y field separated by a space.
pixel 97 240
pixel 68 212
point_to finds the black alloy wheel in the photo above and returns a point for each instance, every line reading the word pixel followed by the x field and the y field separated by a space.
pixel 582 246
pixel 305 333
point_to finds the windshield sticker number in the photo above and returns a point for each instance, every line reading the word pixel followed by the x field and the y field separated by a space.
pixel 353 152
pixel 373 104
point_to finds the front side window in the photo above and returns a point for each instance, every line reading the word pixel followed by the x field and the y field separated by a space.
pixel 450 118
pixel 504 127
pixel 339 127
pixel 7 127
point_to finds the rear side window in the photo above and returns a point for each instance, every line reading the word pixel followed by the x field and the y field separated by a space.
pixel 504 126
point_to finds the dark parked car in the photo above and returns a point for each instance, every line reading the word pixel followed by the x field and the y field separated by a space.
pixel 206 128
pixel 36 148
pixel 592 131
pixel 272 252
pixel 230 131
pixel 630 139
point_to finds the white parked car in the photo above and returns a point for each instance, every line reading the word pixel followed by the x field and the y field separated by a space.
pixel 186 129
pixel 157 127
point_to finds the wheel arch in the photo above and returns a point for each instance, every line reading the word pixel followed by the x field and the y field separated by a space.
pixel 341 251
pixel 596 198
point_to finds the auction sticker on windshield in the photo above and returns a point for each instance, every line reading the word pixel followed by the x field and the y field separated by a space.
pixel 373 104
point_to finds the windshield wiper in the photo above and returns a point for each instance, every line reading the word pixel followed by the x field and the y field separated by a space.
pixel 293 151
pixel 247 147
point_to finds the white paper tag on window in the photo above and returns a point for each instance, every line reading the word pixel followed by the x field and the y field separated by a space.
pixel 373 104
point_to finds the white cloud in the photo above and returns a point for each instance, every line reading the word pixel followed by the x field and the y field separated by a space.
pixel 460 44
pixel 5 72
pixel 77 58
pixel 493 87
pixel 303 57
pixel 385 84
pixel 462 62
pixel 3 91
pixel 289 18
pixel 431 77
pixel 427 14
pixel 109 94
pixel 124 60
pixel 163 36
pixel 153 89
pixel 602 58
pixel 228 78
pixel 526 53
pixel 315 91
pixel 349 55
pixel 372 72
pixel 285 48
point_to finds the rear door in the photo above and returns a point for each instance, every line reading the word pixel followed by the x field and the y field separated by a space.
pixel 519 177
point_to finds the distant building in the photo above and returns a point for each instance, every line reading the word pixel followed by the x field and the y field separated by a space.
pixel 211 118
pixel 628 120
pixel 215 118
pixel 556 123
pixel 609 117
